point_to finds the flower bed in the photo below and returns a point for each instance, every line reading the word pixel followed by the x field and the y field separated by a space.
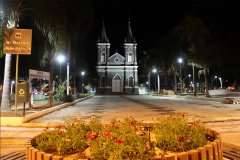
pixel 167 138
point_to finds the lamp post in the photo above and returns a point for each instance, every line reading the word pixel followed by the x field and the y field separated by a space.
pixel 12 87
pixel 60 58
pixel 180 61
pixel 220 79
pixel 216 81
pixel 82 80
pixel 189 82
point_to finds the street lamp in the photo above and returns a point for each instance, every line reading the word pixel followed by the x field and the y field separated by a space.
pixel 82 80
pixel 60 58
pixel 180 61
pixel 216 81
pixel 189 81
pixel 12 87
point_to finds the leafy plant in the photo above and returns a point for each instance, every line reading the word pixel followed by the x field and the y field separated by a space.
pixel 60 91
pixel 64 138
pixel 67 98
pixel 173 133
pixel 119 139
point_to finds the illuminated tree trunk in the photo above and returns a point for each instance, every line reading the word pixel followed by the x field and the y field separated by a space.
pixel 175 78
pixel 194 81
pixel 206 70
pixel 5 104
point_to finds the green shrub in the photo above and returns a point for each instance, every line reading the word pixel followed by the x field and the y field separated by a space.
pixel 68 98
pixel 173 133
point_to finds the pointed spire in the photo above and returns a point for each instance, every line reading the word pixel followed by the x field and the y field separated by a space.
pixel 103 38
pixel 129 37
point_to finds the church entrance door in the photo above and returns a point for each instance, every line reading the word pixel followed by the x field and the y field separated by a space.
pixel 117 84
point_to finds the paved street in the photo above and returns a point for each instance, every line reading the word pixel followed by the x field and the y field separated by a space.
pixel 217 115
pixel 144 107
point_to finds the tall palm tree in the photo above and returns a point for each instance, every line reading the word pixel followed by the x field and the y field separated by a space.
pixel 46 16
pixel 79 21
pixel 9 18
pixel 192 31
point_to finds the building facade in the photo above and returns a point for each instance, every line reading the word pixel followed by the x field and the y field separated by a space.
pixel 117 73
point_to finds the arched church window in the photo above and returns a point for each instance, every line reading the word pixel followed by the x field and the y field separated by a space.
pixel 103 81
pixel 103 55
pixel 130 57
pixel 130 81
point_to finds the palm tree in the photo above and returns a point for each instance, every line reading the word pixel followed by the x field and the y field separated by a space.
pixel 8 20
pixel 78 27
pixel 48 19
pixel 192 31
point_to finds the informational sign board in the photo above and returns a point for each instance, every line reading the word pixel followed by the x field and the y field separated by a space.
pixel 23 92
pixel 39 74
pixel 18 41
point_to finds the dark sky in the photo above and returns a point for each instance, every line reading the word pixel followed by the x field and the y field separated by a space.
pixel 151 19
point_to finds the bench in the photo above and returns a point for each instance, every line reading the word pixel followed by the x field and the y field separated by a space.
pixel 233 98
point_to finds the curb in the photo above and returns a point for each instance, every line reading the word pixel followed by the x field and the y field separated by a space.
pixel 22 121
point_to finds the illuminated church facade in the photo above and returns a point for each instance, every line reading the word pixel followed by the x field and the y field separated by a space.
pixel 117 73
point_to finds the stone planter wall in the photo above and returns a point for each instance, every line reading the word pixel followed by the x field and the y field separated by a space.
pixel 212 151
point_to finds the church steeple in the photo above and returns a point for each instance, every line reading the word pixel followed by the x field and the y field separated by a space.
pixel 129 38
pixel 103 38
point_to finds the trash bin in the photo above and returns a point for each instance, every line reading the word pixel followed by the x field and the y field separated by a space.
pixel 23 92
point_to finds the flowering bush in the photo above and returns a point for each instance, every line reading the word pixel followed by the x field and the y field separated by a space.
pixel 119 139
pixel 173 133
pixel 122 138
pixel 64 138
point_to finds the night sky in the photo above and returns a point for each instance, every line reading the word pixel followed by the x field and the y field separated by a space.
pixel 150 20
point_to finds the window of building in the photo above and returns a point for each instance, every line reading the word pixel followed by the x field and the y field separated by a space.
pixel 130 81
pixel 103 55
pixel 130 57
pixel 103 81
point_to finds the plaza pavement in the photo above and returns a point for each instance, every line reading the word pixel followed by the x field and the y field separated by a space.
pixel 15 138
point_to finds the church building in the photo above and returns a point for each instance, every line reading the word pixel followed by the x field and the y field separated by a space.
pixel 116 72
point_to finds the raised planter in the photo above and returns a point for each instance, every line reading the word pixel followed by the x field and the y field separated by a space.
pixel 212 151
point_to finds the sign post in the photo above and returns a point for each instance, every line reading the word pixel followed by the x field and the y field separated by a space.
pixel 17 41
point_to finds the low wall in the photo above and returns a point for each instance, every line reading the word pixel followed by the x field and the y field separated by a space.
pixel 35 96
pixel 221 91
pixel 38 96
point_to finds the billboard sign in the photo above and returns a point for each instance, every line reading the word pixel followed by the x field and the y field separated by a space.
pixel 18 41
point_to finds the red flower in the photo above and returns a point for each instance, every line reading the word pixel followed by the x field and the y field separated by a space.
pixel 46 129
pixel 119 141
pixel 142 132
pixel 93 135
pixel 135 128
pixel 181 138
pixel 107 134
pixel 59 133
pixel 73 124
pixel 183 115
pixel 116 126
pixel 59 126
